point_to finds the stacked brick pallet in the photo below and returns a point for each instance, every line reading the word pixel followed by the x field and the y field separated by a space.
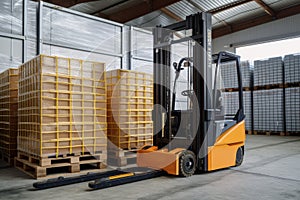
pixel 229 75
pixel 268 111
pixel 62 115
pixel 292 94
pixel 231 101
pixel 230 84
pixel 268 99
pixel 8 114
pixel 130 102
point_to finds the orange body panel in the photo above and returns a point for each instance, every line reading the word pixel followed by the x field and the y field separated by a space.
pixel 160 160
pixel 223 153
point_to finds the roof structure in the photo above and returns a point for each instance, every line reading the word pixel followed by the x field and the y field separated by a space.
pixel 228 16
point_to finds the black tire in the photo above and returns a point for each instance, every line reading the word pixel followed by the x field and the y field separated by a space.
pixel 239 156
pixel 187 163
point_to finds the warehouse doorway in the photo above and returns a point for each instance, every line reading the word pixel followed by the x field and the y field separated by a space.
pixel 269 49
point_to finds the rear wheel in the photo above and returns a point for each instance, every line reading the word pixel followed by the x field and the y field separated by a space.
pixel 239 156
pixel 187 163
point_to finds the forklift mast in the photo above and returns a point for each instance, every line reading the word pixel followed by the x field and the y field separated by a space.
pixel 200 26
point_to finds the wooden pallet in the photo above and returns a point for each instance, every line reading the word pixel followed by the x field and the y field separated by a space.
pixel 247 89
pixel 292 133
pixel 63 158
pixel 281 133
pixel 7 158
pixel 295 84
pixel 249 132
pixel 71 164
pixel 267 87
pixel 121 157
pixel 236 89
pixel 230 90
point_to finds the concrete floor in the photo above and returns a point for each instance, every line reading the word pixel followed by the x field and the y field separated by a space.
pixel 271 170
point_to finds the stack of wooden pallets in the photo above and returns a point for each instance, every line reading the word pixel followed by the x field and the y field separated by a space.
pixel 8 114
pixel 62 115
pixel 130 103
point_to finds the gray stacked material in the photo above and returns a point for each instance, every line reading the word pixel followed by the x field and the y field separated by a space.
pixel 231 102
pixel 231 105
pixel 229 74
pixel 268 110
pixel 268 72
pixel 292 68
pixel 248 109
pixel 292 106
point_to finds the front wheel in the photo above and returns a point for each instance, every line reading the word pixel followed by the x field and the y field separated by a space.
pixel 239 156
pixel 187 163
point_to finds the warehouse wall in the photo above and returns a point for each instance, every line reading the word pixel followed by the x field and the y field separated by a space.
pixel 62 32
pixel 278 29
pixel 10 24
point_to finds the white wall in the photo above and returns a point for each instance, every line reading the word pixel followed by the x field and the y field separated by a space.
pixel 283 28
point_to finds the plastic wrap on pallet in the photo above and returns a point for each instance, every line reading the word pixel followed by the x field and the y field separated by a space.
pixel 268 110
pixel 268 72
pixel 292 107
pixel 11 19
pixel 292 68
pixel 62 107
pixel 82 32
pixel 231 105
pixel 9 114
pixel 229 74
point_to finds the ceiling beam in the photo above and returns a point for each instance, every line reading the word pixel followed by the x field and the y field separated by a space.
pixel 66 3
pixel 202 10
pixel 266 8
pixel 106 8
pixel 171 14
pixel 142 8
pixel 228 6
pixel 218 32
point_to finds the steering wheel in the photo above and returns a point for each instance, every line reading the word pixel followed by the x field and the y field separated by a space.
pixel 187 93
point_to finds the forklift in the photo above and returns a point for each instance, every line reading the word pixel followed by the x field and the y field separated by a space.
pixel 201 138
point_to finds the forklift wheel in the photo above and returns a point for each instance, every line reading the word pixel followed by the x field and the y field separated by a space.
pixel 187 163
pixel 239 156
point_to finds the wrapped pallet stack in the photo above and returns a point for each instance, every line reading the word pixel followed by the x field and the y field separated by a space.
pixel 268 99
pixel 230 84
pixel 268 73
pixel 130 103
pixel 292 94
pixel 268 112
pixel 231 101
pixel 62 115
pixel 9 115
